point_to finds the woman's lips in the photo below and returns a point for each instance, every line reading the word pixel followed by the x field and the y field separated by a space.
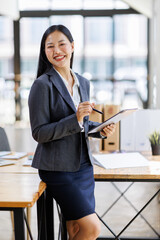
pixel 59 58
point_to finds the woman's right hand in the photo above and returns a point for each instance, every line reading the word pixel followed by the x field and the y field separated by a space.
pixel 84 109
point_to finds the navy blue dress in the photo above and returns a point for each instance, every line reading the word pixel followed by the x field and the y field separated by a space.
pixel 73 191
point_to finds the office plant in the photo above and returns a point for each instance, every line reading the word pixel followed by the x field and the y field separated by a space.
pixel 154 139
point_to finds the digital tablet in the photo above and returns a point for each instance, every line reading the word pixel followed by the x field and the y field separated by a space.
pixel 114 119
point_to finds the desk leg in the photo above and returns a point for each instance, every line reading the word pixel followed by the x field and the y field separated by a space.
pixel 63 229
pixel 62 235
pixel 41 218
pixel 49 216
pixel 49 213
pixel 19 224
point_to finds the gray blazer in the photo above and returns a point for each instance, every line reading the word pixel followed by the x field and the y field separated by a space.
pixel 54 123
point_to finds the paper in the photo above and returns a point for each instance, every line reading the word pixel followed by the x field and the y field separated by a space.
pixel 14 155
pixel 28 162
pixel 121 160
pixel 155 164
pixel 6 162
pixel 3 153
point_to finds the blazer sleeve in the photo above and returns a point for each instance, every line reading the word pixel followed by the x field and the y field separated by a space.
pixel 97 134
pixel 43 130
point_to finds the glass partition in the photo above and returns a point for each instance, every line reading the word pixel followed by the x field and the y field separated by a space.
pixel 130 56
pixel 7 105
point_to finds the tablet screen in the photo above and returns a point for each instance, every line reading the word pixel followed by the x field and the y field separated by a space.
pixel 114 119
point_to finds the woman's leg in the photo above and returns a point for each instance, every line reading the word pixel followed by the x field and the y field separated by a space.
pixel 72 228
pixel 86 228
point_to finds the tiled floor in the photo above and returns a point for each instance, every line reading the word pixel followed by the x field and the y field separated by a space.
pixel 21 140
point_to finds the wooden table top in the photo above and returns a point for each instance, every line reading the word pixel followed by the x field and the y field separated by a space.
pixel 18 167
pixel 151 172
pixel 20 190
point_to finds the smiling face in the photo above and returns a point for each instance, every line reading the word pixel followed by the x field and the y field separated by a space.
pixel 58 50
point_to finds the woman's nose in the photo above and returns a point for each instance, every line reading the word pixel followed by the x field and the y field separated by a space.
pixel 56 50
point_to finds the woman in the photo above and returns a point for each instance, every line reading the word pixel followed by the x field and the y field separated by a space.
pixel 59 111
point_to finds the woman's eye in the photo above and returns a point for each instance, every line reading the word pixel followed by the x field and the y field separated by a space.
pixel 50 47
pixel 62 44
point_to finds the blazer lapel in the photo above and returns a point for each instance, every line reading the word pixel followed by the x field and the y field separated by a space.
pixel 84 97
pixel 59 84
pixel 82 90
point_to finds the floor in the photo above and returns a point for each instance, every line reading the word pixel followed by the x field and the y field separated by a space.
pixel 20 140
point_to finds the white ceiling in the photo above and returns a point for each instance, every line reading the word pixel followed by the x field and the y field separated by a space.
pixel 9 8
pixel 142 6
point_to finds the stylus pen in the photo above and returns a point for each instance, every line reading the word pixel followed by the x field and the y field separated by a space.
pixel 97 111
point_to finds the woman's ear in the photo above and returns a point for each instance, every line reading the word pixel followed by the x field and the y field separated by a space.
pixel 72 45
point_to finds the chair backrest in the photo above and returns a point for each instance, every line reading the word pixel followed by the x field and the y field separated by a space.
pixel 4 144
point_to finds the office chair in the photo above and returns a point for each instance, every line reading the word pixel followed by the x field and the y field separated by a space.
pixel 4 146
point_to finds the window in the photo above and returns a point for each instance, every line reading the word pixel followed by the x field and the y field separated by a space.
pixel 98 46
pixel 111 50
pixel 6 46
pixel 7 113
pixel 34 5
pixel 130 53
pixel 66 4
pixel 103 4
pixel 75 25
pixel 31 31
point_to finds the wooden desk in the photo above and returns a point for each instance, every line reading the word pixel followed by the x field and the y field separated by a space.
pixel 20 188
pixel 149 173
pixel 18 191
pixel 135 174
pixel 18 167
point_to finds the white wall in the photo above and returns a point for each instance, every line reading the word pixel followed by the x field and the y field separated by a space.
pixel 136 128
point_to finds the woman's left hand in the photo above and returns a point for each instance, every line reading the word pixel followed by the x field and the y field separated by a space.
pixel 109 130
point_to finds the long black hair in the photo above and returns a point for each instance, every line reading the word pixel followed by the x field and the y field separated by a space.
pixel 43 63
